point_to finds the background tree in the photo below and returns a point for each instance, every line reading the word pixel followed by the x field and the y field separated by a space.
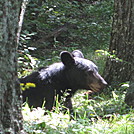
pixel 119 65
pixel 10 106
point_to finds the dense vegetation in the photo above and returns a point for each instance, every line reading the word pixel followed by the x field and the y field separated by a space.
pixel 64 25
pixel 104 114
pixel 56 25
pixel 74 24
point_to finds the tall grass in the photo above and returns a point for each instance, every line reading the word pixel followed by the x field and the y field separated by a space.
pixel 104 114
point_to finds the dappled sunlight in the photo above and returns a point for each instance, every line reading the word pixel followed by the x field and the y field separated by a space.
pixel 102 114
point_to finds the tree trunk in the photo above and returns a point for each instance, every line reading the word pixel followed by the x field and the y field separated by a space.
pixel 129 98
pixel 10 102
pixel 119 65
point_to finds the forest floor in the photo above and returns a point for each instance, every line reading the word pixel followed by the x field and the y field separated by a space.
pixel 103 114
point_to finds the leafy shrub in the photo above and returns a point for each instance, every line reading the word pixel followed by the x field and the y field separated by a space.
pixel 59 24
pixel 105 114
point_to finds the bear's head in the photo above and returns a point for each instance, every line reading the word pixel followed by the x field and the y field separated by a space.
pixel 80 72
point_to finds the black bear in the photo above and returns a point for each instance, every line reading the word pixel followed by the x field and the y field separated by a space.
pixel 72 73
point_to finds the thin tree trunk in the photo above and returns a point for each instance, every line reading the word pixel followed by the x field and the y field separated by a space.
pixel 10 101
pixel 23 9
pixel 119 67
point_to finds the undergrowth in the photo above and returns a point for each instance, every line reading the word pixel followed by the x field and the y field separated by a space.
pixel 103 114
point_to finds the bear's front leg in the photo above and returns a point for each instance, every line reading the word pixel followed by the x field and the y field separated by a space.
pixel 49 99
pixel 68 102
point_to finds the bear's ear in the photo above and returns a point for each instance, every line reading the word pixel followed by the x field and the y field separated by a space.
pixel 67 58
pixel 77 53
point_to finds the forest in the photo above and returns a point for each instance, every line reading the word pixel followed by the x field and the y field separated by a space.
pixel 102 30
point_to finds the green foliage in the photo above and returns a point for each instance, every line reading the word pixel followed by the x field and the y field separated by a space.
pixel 85 23
pixel 26 62
pixel 103 114
pixel 102 105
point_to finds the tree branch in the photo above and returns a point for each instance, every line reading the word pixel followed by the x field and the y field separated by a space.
pixel 23 8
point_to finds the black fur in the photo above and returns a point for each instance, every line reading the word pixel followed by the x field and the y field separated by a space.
pixel 74 72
